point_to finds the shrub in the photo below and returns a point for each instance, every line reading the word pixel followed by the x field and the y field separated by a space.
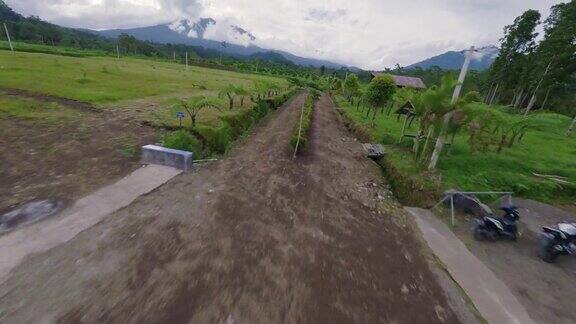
pixel 217 140
pixel 380 90
pixel 472 96
pixel 183 140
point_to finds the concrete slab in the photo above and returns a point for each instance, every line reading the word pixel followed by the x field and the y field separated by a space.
pixel 155 154
pixel 489 294
pixel 85 213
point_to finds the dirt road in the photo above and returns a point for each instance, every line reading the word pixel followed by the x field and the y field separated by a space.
pixel 255 238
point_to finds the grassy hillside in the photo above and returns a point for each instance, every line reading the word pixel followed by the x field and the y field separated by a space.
pixel 102 80
pixel 544 149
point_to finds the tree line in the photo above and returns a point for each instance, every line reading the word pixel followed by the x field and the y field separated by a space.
pixel 530 74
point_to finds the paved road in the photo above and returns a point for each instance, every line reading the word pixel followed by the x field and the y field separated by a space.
pixel 489 294
pixel 85 213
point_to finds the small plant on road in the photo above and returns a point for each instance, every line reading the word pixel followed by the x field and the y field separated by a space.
pixel 299 140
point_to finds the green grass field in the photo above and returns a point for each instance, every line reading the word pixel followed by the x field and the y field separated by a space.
pixel 128 89
pixel 105 80
pixel 545 149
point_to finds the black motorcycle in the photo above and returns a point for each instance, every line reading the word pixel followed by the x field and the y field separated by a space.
pixel 555 242
pixel 492 227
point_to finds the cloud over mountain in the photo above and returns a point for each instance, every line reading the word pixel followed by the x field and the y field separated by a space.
pixel 370 33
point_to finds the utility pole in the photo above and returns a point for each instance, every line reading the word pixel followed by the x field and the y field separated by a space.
pixel 441 140
pixel 174 56
pixel 8 36
pixel 117 51
pixel 186 60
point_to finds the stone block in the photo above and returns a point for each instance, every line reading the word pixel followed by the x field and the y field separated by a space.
pixel 154 154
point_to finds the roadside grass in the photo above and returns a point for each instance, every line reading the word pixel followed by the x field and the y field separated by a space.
pixel 105 80
pixel 544 149
pixel 127 144
pixel 42 112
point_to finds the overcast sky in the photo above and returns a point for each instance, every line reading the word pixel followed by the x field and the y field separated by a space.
pixel 370 34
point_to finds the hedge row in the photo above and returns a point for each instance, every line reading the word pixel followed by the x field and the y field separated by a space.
pixel 218 139
pixel 299 141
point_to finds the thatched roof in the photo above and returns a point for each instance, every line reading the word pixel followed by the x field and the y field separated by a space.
pixel 405 81
pixel 406 109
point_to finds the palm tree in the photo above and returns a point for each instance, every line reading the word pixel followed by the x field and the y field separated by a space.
pixel 440 104
pixel 242 92
pixel 194 105
pixel 261 88
pixel 228 92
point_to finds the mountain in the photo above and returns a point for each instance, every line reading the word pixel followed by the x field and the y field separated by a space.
pixel 481 60
pixel 193 33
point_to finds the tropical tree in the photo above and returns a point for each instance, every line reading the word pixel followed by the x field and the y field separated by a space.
pixel 379 92
pixel 228 92
pixel 194 105
pixel 336 84
pixel 440 104
pixel 350 86
pixel 553 71
pixel 472 96
pixel 508 73
pixel 242 92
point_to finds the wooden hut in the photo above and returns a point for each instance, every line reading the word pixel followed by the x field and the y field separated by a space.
pixel 408 112
pixel 404 81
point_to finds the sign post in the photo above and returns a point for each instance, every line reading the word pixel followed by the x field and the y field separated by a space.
pixel 180 115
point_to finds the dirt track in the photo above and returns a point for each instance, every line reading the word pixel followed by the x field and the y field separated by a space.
pixel 255 238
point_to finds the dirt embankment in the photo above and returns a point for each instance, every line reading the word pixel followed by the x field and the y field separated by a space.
pixel 255 238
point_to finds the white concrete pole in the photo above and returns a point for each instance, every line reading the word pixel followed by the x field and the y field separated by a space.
pixel 572 126
pixel 117 51
pixel 462 76
pixel 533 99
pixel 8 36
pixel 440 141
pixel 186 60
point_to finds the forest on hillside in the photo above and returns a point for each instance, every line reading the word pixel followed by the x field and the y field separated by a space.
pixel 531 74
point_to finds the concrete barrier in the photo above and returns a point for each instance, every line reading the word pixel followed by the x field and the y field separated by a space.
pixel 154 154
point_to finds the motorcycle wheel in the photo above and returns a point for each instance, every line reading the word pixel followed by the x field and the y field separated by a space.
pixel 515 237
pixel 546 251
pixel 479 233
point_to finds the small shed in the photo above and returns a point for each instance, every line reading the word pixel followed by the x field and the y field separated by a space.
pixel 404 81
pixel 408 111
